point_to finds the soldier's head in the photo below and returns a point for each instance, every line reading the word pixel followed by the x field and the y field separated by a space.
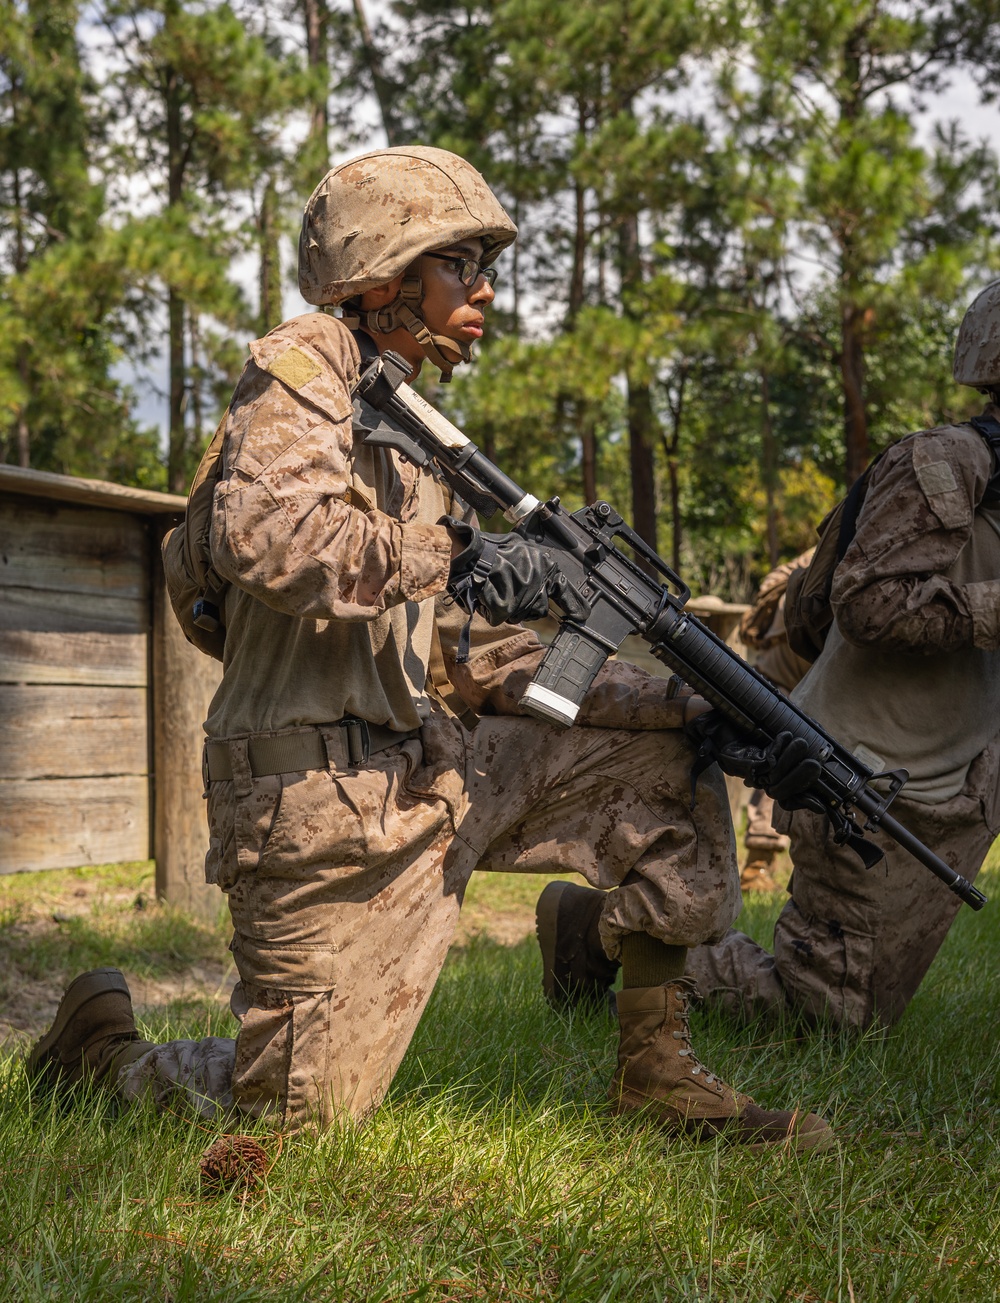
pixel 404 240
pixel 977 349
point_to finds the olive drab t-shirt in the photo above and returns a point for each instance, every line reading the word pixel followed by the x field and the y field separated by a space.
pixel 910 673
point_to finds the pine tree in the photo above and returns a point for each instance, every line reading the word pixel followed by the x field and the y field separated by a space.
pixel 204 98
pixel 62 292
pixel 842 82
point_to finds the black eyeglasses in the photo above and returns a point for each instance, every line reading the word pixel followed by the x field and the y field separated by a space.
pixel 469 270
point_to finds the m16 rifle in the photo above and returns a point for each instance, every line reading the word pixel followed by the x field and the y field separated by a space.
pixel 624 599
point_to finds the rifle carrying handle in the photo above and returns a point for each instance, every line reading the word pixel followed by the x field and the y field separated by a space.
pixel 564 677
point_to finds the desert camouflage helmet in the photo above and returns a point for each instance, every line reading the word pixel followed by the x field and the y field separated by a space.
pixel 369 218
pixel 977 350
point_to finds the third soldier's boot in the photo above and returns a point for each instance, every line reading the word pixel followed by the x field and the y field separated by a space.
pixel 660 1077
pixel 758 872
pixel 575 969
pixel 93 1032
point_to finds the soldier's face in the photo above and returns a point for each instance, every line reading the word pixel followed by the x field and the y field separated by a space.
pixel 448 307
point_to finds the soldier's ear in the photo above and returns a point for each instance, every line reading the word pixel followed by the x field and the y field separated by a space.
pixel 382 295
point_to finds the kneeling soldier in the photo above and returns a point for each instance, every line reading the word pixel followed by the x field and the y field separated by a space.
pixel 908 677
pixel 347 806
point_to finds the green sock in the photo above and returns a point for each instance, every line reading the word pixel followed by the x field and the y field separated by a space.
pixel 648 962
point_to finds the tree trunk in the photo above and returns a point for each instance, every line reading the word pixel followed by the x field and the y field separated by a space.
pixel 177 442
pixel 577 278
pixel 586 428
pixel 270 259
pixel 383 88
pixel 671 449
pixel 852 377
pixel 769 466
pixel 677 525
pixel 196 378
pixel 22 437
pixel 852 312
pixel 642 424
pixel 316 17
pixel 641 431
pixel 588 441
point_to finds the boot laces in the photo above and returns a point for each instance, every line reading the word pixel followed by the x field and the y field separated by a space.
pixel 685 988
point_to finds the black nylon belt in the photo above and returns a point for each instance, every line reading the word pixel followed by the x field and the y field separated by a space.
pixel 294 752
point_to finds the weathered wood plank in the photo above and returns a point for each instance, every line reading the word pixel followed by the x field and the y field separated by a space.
pixel 99 493
pixel 67 822
pixel 109 659
pixel 184 681
pixel 47 611
pixel 72 732
pixel 72 549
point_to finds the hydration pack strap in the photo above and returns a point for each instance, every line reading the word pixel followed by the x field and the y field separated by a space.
pixel 990 431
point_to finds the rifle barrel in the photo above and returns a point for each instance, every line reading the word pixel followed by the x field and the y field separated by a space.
pixel 962 887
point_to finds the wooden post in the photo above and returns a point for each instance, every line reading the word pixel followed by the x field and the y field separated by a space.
pixel 183 682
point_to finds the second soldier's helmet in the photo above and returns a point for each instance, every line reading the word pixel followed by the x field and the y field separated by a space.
pixel 369 218
pixel 977 349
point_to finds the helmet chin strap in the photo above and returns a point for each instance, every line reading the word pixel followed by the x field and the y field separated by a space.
pixel 403 312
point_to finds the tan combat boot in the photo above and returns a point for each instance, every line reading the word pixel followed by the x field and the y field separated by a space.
pixel 660 1075
pixel 758 872
pixel 575 969
pixel 93 1031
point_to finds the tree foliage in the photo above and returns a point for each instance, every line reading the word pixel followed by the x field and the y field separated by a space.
pixel 748 230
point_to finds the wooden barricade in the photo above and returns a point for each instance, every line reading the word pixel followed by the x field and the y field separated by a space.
pixel 101 698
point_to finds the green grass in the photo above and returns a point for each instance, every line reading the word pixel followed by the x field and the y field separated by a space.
pixel 492 1172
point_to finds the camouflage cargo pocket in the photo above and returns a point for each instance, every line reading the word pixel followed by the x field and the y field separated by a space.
pixel 239 828
pixel 827 972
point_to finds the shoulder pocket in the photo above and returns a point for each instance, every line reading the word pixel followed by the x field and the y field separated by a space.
pixel 945 490
pixel 301 368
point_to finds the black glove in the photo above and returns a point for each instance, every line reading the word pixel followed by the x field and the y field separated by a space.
pixel 507 578
pixel 784 768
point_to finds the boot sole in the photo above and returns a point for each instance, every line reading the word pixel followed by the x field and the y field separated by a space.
pixel 42 1061
pixel 546 927
pixel 631 1104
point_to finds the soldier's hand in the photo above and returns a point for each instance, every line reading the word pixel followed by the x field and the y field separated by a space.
pixel 789 770
pixel 784 769
pixel 508 578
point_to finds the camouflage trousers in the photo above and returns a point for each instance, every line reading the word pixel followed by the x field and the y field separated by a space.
pixel 345 885
pixel 853 946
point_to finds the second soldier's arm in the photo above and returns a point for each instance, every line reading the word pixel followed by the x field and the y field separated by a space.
pixel 891 591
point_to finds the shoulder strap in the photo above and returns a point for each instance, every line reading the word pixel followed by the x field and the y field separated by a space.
pixel 990 431
pixel 366 346
pixel 853 503
pixel 808 610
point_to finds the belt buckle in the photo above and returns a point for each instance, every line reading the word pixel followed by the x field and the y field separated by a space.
pixel 204 768
pixel 359 741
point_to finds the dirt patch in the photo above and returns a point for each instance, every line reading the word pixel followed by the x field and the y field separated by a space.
pixel 50 924
pixel 40 912
pixel 206 981
pixel 24 1016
